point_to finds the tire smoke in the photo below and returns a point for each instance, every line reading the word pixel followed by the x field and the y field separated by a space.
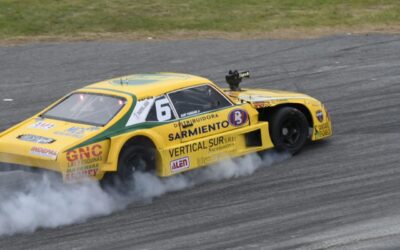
pixel 49 203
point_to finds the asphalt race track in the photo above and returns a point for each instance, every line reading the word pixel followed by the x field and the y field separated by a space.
pixel 343 193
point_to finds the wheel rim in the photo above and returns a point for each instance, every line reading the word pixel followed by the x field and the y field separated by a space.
pixel 290 132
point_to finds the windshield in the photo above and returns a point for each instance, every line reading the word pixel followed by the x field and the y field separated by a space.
pixel 93 109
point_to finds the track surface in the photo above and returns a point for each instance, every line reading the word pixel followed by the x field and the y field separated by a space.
pixel 340 194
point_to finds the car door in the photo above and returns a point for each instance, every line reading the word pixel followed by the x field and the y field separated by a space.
pixel 209 127
pixel 204 112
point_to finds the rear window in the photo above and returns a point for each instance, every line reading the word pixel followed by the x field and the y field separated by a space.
pixel 87 108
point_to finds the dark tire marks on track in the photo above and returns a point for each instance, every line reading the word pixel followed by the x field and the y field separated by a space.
pixel 343 193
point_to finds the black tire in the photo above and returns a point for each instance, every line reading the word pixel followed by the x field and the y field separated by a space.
pixel 131 159
pixel 289 130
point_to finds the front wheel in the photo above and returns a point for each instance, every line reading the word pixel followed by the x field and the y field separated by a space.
pixel 289 130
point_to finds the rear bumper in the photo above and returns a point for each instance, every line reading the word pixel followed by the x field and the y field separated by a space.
pixel 74 165
pixel 28 161
pixel 12 162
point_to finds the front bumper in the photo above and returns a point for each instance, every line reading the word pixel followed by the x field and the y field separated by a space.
pixel 322 125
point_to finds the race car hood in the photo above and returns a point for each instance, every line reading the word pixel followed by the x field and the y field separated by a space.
pixel 41 140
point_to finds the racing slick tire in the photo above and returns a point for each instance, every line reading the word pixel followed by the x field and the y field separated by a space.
pixel 289 130
pixel 133 158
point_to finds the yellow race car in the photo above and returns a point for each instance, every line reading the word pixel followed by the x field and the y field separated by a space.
pixel 163 122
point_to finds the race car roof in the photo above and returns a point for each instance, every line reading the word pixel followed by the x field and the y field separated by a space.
pixel 149 84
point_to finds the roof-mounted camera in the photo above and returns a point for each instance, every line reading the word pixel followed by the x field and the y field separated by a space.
pixel 234 78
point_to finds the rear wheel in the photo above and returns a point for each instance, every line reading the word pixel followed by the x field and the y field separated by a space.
pixel 132 158
pixel 289 130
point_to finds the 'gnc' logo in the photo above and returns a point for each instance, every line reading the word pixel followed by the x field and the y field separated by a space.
pixel 84 153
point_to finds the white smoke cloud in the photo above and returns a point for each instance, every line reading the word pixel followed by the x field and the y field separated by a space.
pixel 149 186
pixel 49 203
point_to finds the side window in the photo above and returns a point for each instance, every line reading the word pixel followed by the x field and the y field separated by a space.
pixel 197 100
pixel 161 110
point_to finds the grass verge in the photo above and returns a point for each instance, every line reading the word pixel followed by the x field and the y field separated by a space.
pixel 99 19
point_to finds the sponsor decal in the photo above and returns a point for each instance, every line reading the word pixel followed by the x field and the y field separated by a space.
pixel 224 148
pixel 36 138
pixel 221 143
pixel 85 155
pixel 145 98
pixel 254 98
pixel 209 159
pixel 322 130
pixel 76 173
pixel 262 98
pixel 198 130
pixel 42 125
pixel 238 117
pixel 197 119
pixel 180 164
pixel 187 149
pixel 212 145
pixel 263 104
pixel 320 115
pixel 190 113
pixel 44 152
pixel 76 132
pixel 140 111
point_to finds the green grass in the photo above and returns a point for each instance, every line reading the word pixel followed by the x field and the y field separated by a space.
pixel 74 17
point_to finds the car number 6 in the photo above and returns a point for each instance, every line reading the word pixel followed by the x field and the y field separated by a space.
pixel 163 110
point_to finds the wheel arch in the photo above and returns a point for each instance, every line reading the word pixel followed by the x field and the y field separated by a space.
pixel 139 140
pixel 118 144
pixel 142 141
pixel 266 113
pixel 112 176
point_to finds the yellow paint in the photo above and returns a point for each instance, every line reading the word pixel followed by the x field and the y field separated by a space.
pixel 182 145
